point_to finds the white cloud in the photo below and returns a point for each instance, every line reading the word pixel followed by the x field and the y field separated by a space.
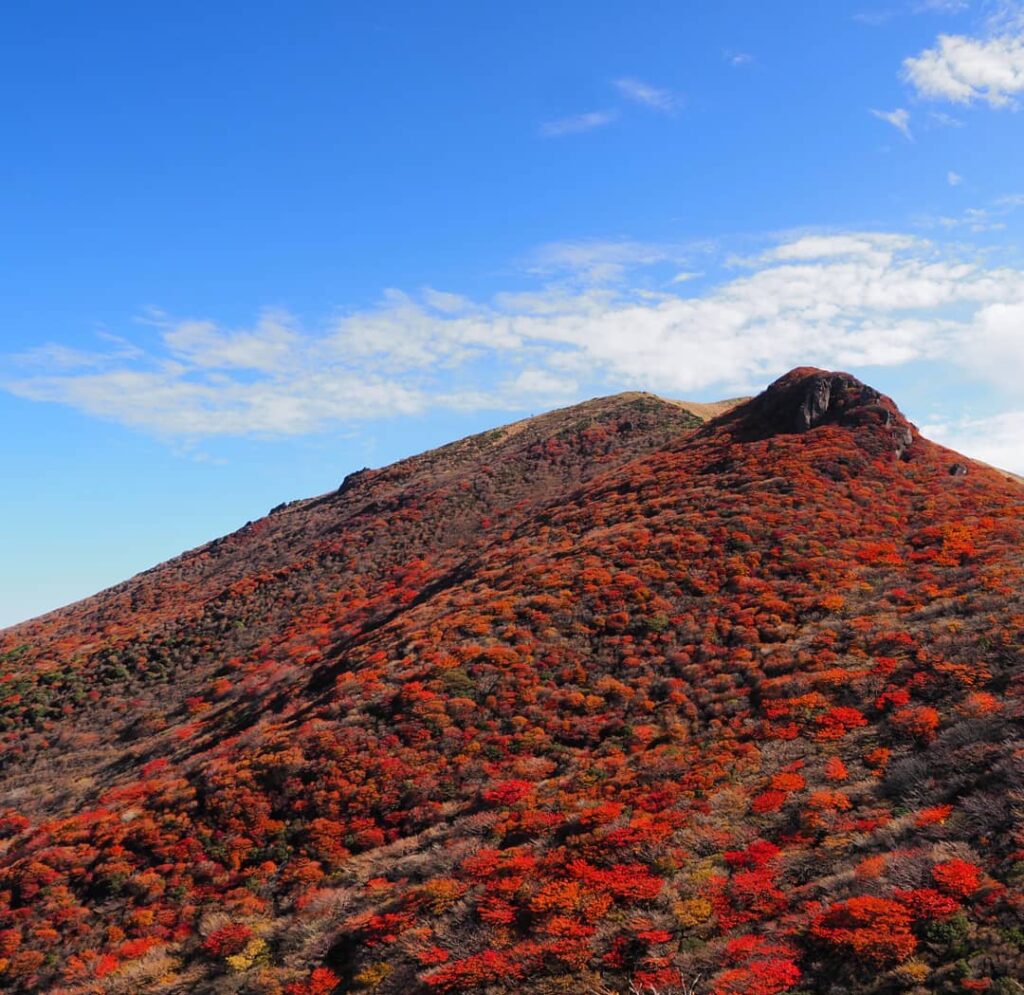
pixel 954 179
pixel 993 347
pixel 167 401
pixel 650 96
pixel 848 300
pixel 997 439
pixel 440 300
pixel 874 247
pixel 542 384
pixel 577 124
pixel 963 69
pixel 202 343
pixel 898 118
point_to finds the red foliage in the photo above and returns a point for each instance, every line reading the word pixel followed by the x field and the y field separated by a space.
pixel 918 721
pixel 322 981
pixel 227 940
pixel 508 793
pixel 934 815
pixel 927 903
pixel 472 973
pixel 766 968
pixel 764 977
pixel 585 695
pixel 957 877
pixel 835 769
pixel 837 722
pixel 768 801
pixel 875 930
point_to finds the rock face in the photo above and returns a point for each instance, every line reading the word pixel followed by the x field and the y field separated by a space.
pixel 808 398
pixel 815 405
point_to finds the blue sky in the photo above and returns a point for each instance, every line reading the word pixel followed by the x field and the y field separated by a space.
pixel 251 248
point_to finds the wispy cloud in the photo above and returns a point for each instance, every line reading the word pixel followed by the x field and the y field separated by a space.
pixel 649 96
pixel 992 216
pixel 1004 17
pixel 953 178
pixel 605 260
pixel 941 6
pixel 898 118
pixel 578 123
pixel 635 91
pixel 848 300
pixel 267 347
pixel 874 18
pixel 737 59
pixel 879 17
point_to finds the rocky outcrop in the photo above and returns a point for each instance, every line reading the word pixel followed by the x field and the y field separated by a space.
pixel 815 405
pixel 807 398
pixel 354 478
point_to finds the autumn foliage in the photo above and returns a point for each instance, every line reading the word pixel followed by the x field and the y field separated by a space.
pixel 610 697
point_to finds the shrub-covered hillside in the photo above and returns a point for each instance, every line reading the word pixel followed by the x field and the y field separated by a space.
pixel 612 697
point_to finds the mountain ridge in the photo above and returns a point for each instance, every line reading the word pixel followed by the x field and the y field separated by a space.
pixel 593 408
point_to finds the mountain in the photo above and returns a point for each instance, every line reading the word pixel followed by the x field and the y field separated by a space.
pixel 722 701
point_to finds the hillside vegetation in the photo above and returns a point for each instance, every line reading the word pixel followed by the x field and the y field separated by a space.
pixel 612 697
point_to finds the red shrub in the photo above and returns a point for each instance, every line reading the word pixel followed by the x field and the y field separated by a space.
pixel 957 877
pixel 321 982
pixel 768 801
pixel 918 721
pixel 762 977
pixel 927 903
pixel 870 929
pixel 835 769
pixel 930 816
pixel 473 973
pixel 508 793
pixel 837 722
pixel 227 940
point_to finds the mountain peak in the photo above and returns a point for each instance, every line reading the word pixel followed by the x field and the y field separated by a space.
pixel 807 397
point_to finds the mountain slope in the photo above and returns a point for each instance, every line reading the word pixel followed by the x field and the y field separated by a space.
pixel 352 556
pixel 611 695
